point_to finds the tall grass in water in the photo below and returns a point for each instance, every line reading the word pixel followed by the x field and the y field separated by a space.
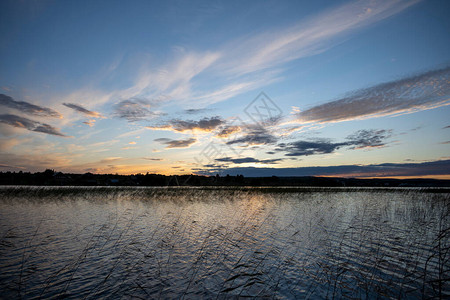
pixel 217 243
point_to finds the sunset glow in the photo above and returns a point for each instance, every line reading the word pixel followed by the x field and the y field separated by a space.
pixel 284 88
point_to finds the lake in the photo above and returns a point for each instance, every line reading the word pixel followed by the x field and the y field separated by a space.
pixel 216 243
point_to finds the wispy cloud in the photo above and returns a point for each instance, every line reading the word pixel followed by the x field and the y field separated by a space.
pixel 171 80
pixel 7 144
pixel 230 90
pixel 425 91
pixel 111 159
pixel 28 108
pixel 176 143
pixel 9 167
pixel 249 62
pixel 34 162
pixel 21 122
pixel 317 34
pixel 203 125
pixel 83 110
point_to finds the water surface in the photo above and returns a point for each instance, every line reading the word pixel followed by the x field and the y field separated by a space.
pixel 223 242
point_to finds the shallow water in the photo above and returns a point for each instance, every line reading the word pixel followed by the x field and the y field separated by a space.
pixel 220 243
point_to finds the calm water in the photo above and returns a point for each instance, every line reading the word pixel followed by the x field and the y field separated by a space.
pixel 221 243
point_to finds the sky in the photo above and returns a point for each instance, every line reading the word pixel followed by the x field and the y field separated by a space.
pixel 259 88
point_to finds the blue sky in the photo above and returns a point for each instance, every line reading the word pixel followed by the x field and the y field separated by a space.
pixel 163 87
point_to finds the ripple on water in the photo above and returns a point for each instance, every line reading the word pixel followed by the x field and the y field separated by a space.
pixel 217 243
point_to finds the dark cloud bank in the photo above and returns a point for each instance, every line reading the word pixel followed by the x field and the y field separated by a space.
pixel 248 160
pixel 433 168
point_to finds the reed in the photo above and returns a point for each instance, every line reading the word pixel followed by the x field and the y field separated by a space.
pixel 220 243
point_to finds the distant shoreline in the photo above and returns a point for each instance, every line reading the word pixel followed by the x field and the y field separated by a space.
pixel 52 178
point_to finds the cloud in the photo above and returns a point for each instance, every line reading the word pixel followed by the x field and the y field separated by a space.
pixel 135 110
pixel 34 162
pixel 9 167
pixel 45 128
pixel 193 111
pixel 110 159
pixel 90 123
pixel 226 131
pixel 7 144
pixel 417 128
pixel 248 160
pixel 31 125
pixel 433 168
pixel 132 133
pixel 176 143
pixel 425 91
pixel 28 108
pixel 245 135
pixel 369 138
pixel 8 131
pixel 204 125
pixel 254 135
pixel 361 139
pixel 153 159
pixel 305 148
pixel 83 110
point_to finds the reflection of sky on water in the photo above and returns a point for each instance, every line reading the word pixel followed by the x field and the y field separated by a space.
pixel 201 243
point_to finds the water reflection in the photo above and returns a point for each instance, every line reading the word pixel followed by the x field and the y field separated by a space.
pixel 217 243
